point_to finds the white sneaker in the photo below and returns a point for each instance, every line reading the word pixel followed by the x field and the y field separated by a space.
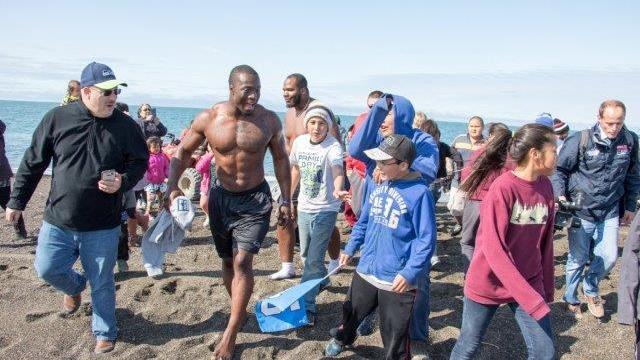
pixel 283 274
pixel 153 271
pixel 435 261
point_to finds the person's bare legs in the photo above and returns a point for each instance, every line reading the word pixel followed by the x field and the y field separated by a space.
pixel 204 205
pixel 286 240
pixel 237 274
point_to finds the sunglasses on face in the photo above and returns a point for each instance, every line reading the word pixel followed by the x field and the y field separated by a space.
pixel 110 91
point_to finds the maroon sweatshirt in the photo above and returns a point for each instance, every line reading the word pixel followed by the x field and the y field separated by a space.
pixel 513 260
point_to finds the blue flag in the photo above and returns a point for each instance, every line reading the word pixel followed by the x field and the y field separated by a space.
pixel 286 310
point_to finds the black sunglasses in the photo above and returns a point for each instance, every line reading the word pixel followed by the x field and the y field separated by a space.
pixel 110 91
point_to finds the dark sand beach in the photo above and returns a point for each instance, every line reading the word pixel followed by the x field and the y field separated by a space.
pixel 182 315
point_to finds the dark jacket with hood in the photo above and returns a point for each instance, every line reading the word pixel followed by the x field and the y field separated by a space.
pixel 81 146
pixel 5 168
pixel 368 136
pixel 607 172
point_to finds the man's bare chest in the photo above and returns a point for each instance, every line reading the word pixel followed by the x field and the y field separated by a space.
pixel 246 136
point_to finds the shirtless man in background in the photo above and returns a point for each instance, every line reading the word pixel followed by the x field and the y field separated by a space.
pixel 239 132
pixel 297 99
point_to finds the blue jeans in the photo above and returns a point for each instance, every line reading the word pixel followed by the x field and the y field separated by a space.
pixel 419 327
pixel 315 232
pixel 604 236
pixel 475 321
pixel 57 251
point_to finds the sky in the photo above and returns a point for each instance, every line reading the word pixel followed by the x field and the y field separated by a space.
pixel 501 60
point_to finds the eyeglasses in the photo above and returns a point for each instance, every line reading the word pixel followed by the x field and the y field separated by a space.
pixel 117 91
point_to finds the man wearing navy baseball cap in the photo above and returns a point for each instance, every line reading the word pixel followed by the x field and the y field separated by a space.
pixel 100 154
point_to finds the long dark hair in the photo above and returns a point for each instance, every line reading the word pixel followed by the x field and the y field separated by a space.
pixel 492 159
pixel 530 136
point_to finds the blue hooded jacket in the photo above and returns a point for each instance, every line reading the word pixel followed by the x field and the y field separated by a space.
pixel 397 231
pixel 368 137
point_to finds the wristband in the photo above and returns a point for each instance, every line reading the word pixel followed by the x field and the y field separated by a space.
pixel 285 202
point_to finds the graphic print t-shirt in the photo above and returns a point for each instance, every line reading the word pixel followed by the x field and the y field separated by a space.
pixel 316 178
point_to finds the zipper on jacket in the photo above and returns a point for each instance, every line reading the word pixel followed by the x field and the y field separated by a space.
pixel 92 134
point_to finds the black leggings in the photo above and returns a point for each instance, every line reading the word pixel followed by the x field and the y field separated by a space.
pixel 394 311
pixel 5 193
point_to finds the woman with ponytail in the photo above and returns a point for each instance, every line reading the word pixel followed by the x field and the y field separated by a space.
pixel 484 166
pixel 513 261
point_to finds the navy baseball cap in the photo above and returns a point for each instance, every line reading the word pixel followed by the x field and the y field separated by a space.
pixel 100 76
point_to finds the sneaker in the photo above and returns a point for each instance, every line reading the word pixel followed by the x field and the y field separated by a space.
pixel 456 230
pixel 154 271
pixel 575 310
pixel 104 346
pixel 71 304
pixel 595 306
pixel 122 266
pixel 435 261
pixel 283 274
pixel 368 325
pixel 333 348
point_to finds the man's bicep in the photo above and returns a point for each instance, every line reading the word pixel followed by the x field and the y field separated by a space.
pixel 194 138
pixel 277 141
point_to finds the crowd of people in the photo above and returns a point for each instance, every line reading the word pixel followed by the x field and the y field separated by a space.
pixel 386 175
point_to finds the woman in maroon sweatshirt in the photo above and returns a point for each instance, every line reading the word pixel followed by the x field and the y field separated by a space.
pixel 483 167
pixel 513 260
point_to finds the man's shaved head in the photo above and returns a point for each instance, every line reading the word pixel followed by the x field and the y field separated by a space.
pixel 241 69
pixel 301 81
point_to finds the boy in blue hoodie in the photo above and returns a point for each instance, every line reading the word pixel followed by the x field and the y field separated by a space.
pixel 394 114
pixel 396 231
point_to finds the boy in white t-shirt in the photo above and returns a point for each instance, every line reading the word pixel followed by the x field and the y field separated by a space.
pixel 316 163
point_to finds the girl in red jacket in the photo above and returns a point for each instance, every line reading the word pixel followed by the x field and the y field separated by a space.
pixel 513 260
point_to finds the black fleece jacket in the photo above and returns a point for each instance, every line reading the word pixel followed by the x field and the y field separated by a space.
pixel 81 146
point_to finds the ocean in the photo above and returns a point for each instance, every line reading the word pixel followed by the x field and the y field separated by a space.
pixel 22 117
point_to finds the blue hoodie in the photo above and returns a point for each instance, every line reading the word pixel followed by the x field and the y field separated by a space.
pixel 368 137
pixel 398 229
